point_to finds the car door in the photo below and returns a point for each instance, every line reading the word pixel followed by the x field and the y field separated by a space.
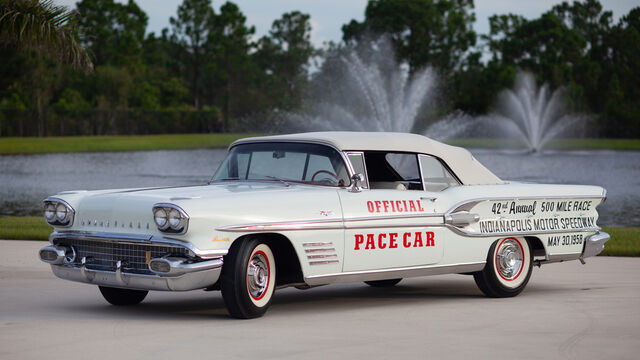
pixel 391 222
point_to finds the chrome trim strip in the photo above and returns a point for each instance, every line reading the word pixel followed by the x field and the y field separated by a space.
pixel 309 244
pixel 330 256
pixel 393 273
pixel 457 205
pixel 136 239
pixel 324 262
pixel 337 224
pixel 319 250
pixel 516 233
pixel 334 224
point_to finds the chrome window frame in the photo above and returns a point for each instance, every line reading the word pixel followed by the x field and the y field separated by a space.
pixel 443 164
pixel 352 169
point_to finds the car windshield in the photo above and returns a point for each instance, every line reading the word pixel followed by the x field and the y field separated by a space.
pixel 286 162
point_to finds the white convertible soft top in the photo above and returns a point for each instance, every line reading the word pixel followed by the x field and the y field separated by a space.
pixel 460 160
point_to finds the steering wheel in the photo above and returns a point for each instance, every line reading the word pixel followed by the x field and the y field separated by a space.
pixel 328 173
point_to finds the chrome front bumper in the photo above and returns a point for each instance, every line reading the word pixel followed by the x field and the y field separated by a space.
pixel 192 269
pixel 206 274
pixel 594 244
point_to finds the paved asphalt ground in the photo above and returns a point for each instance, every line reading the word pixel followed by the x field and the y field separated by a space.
pixel 568 311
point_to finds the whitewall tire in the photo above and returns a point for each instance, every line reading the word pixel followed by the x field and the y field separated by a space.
pixel 508 268
pixel 248 279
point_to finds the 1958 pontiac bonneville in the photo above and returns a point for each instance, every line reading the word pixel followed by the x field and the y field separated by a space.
pixel 318 208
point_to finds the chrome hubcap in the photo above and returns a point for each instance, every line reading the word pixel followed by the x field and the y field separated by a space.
pixel 257 276
pixel 509 259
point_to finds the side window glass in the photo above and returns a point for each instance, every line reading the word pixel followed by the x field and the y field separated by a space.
pixel 357 162
pixel 404 164
pixel 436 176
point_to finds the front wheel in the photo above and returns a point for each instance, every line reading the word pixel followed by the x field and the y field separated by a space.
pixel 122 297
pixel 508 268
pixel 248 279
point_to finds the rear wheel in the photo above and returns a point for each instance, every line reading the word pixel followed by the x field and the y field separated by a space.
pixel 122 297
pixel 383 283
pixel 248 279
pixel 508 268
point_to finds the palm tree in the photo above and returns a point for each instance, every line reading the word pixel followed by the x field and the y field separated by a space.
pixel 44 27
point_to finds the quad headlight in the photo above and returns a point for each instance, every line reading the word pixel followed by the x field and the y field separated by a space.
pixel 58 212
pixel 170 218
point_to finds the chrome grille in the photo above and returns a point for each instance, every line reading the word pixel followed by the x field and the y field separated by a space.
pixel 103 255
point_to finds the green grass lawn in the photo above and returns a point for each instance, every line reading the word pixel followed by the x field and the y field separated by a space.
pixel 625 241
pixel 24 228
pixel 67 144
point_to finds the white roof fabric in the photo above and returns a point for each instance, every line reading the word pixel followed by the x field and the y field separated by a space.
pixel 460 160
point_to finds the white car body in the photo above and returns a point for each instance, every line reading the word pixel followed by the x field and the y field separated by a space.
pixel 369 231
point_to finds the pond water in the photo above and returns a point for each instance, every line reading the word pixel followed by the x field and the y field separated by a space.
pixel 27 179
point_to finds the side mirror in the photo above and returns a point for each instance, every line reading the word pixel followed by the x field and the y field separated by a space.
pixel 356 182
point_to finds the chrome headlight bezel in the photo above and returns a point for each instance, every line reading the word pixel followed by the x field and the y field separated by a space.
pixel 52 206
pixel 176 220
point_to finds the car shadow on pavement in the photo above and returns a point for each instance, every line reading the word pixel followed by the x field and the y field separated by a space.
pixel 200 305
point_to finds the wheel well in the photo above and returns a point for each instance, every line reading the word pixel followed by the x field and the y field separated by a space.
pixel 288 270
pixel 537 248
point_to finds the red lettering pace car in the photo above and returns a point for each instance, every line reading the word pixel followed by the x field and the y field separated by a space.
pixel 318 208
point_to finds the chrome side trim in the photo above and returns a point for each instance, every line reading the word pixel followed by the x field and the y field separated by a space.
pixel 524 233
pixel 393 273
pixel 323 262
pixel 312 244
pixel 457 205
pixel 319 250
pixel 334 224
pixel 284 226
pixel 135 238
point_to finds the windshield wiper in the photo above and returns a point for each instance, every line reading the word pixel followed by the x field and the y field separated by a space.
pixel 277 178
pixel 225 179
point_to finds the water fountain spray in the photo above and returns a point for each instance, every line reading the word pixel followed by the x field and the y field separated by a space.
pixel 366 89
pixel 535 114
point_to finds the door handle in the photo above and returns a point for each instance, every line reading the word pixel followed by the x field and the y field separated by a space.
pixel 461 218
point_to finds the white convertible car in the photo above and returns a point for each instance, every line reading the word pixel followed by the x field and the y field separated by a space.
pixel 318 208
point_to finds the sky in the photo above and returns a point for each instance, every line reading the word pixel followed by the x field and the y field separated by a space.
pixel 328 16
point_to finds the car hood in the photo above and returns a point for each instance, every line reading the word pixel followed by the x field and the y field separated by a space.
pixel 130 210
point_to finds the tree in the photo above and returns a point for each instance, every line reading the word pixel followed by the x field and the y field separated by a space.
pixel 44 27
pixel 114 32
pixel 229 44
pixel 191 28
pixel 435 32
pixel 284 57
